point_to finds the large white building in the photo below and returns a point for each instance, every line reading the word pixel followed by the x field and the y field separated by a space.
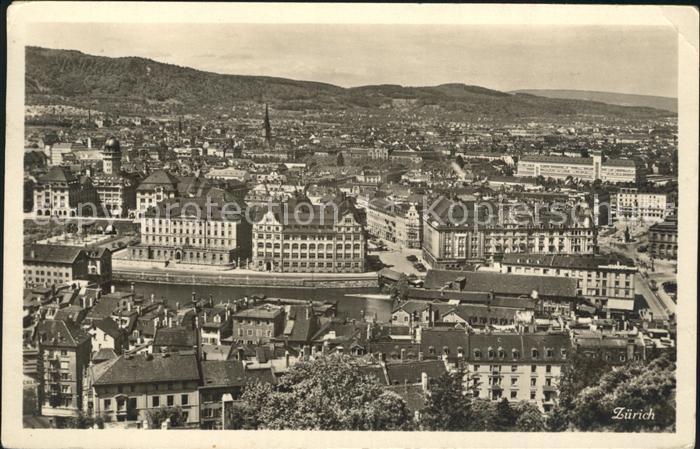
pixel 631 205
pixel 583 168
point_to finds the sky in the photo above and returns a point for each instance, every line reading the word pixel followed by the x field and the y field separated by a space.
pixel 623 59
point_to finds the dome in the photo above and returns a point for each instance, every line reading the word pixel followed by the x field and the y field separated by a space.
pixel 112 144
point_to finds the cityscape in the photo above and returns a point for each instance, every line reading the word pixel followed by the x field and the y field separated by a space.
pixel 239 252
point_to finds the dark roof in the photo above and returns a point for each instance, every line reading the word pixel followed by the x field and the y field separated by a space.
pixel 60 333
pixel 375 371
pixel 145 368
pixel 412 394
pixel 522 343
pixel 453 339
pixel 501 283
pixel 159 178
pixel 573 261
pixel 410 372
pixel 104 354
pixel 109 327
pixel 181 337
pixel 265 312
pixel 58 174
pixel 223 373
pixel 54 254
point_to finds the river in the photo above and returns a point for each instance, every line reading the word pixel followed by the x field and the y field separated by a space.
pixel 348 306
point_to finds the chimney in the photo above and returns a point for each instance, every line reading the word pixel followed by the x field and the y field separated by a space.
pixel 177 305
pixel 420 356
pixel 308 312
pixel 153 297
pixel 424 381
pixel 369 331
pixel 113 288
pixel 32 254
pixel 286 359
pixel 194 296
pixel 403 354
pixel 128 306
pixel 133 287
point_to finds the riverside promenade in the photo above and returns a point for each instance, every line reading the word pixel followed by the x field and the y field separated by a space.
pixel 125 270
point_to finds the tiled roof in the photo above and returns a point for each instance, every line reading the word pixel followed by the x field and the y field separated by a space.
pixel 58 174
pixel 109 327
pixel 572 261
pixel 148 368
pixel 180 337
pixel 453 339
pixel 60 333
pixel 218 373
pixel 264 312
pixel 54 254
pixel 518 347
pixel 500 283
pixel 410 372
pixel 159 178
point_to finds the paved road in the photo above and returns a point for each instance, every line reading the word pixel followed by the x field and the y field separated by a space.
pixel 657 307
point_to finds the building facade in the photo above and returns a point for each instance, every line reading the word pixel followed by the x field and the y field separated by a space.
pixel 135 385
pixel 60 193
pixel 629 204
pixel 305 238
pixel 583 168
pixel 663 240
pixel 258 325
pixel 57 265
pixel 523 367
pixel 451 240
pixel 396 223
pixel 66 353
pixel 193 231
pixel 607 280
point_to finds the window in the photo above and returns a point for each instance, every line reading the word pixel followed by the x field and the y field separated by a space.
pixel 532 395
pixel 513 394
pixel 533 382
pixel 514 381
pixel 155 401
pixel 171 400
pixel 184 399
pixel 535 353
pixel 477 353
pixel 108 404
pixel 513 368
pixel 533 368
pixel 548 368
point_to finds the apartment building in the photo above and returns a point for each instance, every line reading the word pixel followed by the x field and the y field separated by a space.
pixel 258 325
pixel 456 233
pixel 66 351
pixel 60 193
pixel 629 204
pixel 519 367
pixel 193 231
pixel 299 237
pixel 134 385
pixel 395 223
pixel 608 280
pixel 663 240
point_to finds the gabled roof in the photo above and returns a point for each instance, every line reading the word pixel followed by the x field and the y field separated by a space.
pixel 411 372
pixel 223 373
pixel 148 368
pixel 181 337
pixel 58 174
pixel 60 333
pixel 54 254
pixel 109 327
pixel 502 283
pixel 159 178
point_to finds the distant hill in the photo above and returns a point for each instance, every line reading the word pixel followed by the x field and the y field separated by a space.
pixel 133 84
pixel 648 101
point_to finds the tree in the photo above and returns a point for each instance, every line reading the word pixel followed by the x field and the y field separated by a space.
pixel 447 407
pixel 157 417
pixel 529 418
pixel 558 420
pixel 400 289
pixel 505 417
pixel 330 392
pixel 638 387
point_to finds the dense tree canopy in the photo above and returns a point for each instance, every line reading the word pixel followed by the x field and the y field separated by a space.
pixel 327 393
